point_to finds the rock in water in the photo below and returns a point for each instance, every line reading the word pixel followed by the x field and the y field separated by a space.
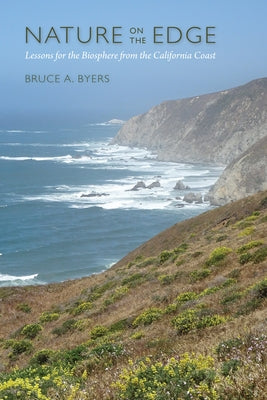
pixel 139 185
pixel 193 198
pixel 180 186
pixel 153 185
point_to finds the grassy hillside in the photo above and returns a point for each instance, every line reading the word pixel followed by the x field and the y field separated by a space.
pixel 181 317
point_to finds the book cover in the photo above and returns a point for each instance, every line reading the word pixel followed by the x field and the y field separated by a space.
pixel 117 119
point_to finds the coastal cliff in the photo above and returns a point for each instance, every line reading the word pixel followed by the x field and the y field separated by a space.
pixel 243 176
pixel 215 128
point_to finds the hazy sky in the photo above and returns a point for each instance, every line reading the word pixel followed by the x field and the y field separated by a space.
pixel 134 85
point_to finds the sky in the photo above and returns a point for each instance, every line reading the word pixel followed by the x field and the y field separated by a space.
pixel 131 86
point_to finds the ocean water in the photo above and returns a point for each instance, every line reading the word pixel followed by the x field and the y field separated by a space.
pixel 66 205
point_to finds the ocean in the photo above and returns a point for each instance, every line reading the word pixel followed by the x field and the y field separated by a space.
pixel 66 205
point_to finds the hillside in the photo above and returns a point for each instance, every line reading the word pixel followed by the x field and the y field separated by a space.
pixel 181 317
pixel 242 177
pixel 216 127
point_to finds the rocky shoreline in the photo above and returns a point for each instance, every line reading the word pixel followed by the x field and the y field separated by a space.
pixel 224 128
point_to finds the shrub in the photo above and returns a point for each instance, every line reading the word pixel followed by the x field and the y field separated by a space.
pixel 98 331
pixel 49 316
pixel 211 320
pixel 24 307
pixel 218 255
pixel 260 255
pixel 209 291
pixel 31 331
pixel 18 347
pixel 193 319
pixel 98 291
pixel 137 335
pixel 171 308
pixel 231 298
pixel 235 273
pixel 230 367
pixel 245 258
pixel 186 321
pixel 260 289
pixel 108 348
pixel 146 262
pixel 250 306
pixel 164 256
pixel 43 357
pixel 227 348
pixel 81 308
pixel 72 356
pixel 186 296
pixel 199 274
pixel 181 249
pixel 44 383
pixel 191 377
pixel 67 326
pixel 119 325
pixel 247 231
pixel 249 245
pixel 133 280
pixel 166 279
pixel 148 316
pixel 118 293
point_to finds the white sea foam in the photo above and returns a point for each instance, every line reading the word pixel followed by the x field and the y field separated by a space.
pixel 66 159
pixel 15 131
pixel 7 278
pixel 140 165
pixel 111 122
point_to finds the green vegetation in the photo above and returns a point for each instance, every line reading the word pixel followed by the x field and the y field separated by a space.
pixel 192 319
pixel 98 331
pixel 31 331
pixel 164 256
pixel 68 326
pixel 49 316
pixel 18 347
pixel 199 274
pixel 249 245
pixel 256 257
pixel 133 280
pixel 24 307
pixel 247 231
pixel 217 255
pixel 81 308
pixel 166 279
pixel 148 316
pixel 190 377
pixel 186 296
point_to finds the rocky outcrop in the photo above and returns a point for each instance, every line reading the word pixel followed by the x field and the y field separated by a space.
pixel 153 185
pixel 246 175
pixel 215 127
pixel 193 198
pixel 180 186
pixel 142 185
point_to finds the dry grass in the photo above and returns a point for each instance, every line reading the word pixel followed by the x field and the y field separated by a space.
pixel 151 283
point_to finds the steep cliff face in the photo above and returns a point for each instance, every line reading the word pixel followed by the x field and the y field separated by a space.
pixel 246 175
pixel 216 127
